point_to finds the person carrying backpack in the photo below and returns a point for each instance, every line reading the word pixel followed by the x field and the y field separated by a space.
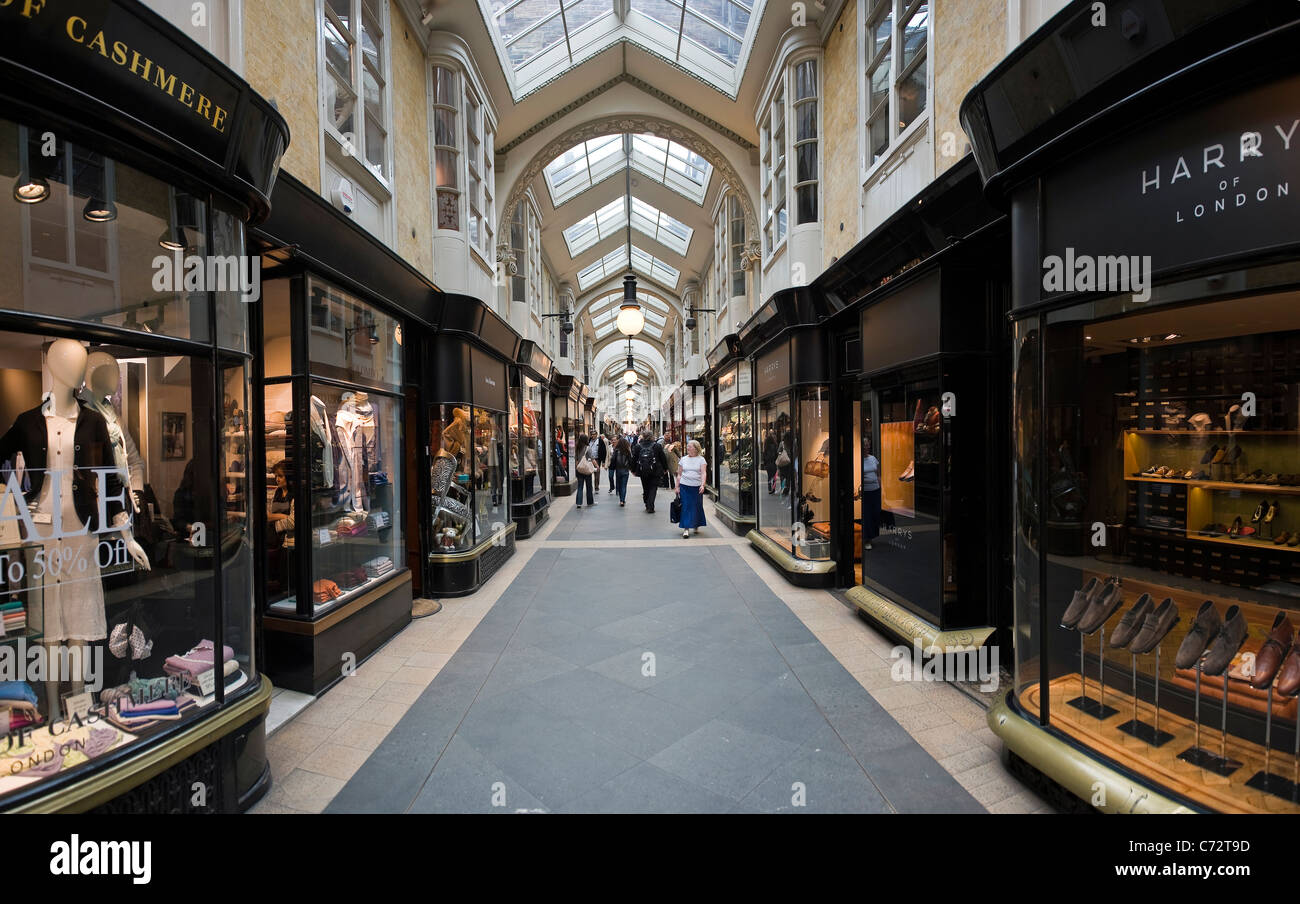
pixel 651 465
pixel 619 466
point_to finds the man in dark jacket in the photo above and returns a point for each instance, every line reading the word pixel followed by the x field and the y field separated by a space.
pixel 651 466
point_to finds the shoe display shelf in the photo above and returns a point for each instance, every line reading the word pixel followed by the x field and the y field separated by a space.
pixel 1160 763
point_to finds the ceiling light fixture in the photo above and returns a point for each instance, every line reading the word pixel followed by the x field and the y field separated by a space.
pixel 29 189
pixel 1172 336
pixel 97 210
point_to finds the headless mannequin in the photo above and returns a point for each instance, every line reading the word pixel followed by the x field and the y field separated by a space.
pixel 65 363
pixel 103 380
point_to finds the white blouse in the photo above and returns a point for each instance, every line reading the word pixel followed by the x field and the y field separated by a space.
pixel 693 468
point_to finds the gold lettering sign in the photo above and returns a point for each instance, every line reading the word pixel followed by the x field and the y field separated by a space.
pixel 80 32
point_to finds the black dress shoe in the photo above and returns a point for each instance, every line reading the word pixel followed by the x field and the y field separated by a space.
pixel 1231 636
pixel 1100 611
pixel 1159 622
pixel 1131 622
pixel 1209 455
pixel 1205 627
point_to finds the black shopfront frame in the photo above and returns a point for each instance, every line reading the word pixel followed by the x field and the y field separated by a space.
pixel 565 392
pixel 466 363
pixel 530 507
pixel 233 173
pixel 729 385
pixel 1206 242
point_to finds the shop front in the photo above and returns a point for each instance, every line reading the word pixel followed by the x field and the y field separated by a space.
pixel 530 463
pixel 793 423
pixel 335 457
pixel 565 392
pixel 696 411
pixel 733 458
pixel 1156 403
pixel 127 565
pixel 922 327
pixel 468 507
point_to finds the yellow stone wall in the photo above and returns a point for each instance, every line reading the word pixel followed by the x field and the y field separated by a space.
pixel 411 178
pixel 969 40
pixel 279 62
pixel 840 189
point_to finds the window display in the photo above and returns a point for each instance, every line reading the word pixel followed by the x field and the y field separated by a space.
pixel 470 502
pixel 527 442
pixel 114 524
pixel 1172 441
pixel 736 459
pixel 338 460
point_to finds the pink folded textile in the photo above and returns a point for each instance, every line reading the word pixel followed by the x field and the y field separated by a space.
pixel 197 660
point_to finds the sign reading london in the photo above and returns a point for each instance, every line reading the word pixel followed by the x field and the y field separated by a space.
pixel 115 54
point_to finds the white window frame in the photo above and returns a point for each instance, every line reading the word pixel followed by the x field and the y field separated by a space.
pixel 334 146
pixel 869 14
pixel 457 148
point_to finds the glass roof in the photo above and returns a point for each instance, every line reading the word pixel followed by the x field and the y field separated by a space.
pixel 540 40
pixel 612 219
pixel 615 262
pixel 667 162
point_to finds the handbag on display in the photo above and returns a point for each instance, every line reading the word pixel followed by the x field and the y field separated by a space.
pixel 130 635
pixel 675 510
pixel 818 467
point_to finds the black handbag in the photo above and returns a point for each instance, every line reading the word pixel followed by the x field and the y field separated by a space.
pixel 675 510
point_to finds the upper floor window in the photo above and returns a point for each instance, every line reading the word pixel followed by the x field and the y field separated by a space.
pixel 736 230
pixel 790 130
pixel 773 134
pixel 479 181
pixel 897 80
pixel 356 94
pixel 805 141
pixel 446 147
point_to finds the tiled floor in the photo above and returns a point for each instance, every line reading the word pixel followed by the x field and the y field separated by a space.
pixel 613 667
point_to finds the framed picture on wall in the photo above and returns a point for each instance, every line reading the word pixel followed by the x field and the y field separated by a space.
pixel 173 436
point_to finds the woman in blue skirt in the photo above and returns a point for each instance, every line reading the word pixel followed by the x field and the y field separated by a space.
pixel 691 469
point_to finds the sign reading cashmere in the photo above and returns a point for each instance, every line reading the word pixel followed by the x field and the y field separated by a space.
pixel 1220 181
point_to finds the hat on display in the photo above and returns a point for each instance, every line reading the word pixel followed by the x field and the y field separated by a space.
pixel 1200 421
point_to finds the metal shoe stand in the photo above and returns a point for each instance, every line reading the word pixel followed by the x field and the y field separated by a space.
pixel 1268 781
pixel 1085 704
pixel 1136 728
pixel 1218 763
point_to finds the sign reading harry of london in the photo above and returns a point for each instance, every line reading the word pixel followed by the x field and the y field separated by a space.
pixel 115 54
pixel 1217 182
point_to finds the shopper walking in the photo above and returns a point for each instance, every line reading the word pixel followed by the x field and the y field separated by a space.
pixel 597 450
pixel 870 496
pixel 690 487
pixel 650 467
pixel 585 468
pixel 619 467
pixel 608 458
pixel 769 460
pixel 672 454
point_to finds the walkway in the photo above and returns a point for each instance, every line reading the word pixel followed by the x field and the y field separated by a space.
pixel 615 667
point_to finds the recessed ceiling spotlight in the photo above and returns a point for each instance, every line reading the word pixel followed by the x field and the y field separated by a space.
pixel 1172 336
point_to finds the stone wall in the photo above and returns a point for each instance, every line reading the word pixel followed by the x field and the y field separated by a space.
pixel 279 62
pixel 412 181
pixel 969 38
pixel 841 189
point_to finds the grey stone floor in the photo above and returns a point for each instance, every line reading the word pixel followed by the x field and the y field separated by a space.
pixel 655 679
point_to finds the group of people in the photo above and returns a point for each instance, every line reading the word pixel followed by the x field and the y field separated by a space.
pixel 657 464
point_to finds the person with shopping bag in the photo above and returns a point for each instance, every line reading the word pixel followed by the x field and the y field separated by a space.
pixel 691 469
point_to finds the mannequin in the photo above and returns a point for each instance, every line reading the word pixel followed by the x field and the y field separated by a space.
pixel 322 446
pixel 103 380
pixel 60 441
pixel 359 441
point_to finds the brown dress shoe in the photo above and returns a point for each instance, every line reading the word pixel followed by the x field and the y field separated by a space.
pixel 1269 658
pixel 1131 622
pixel 1288 677
pixel 1231 636
pixel 1100 611
pixel 1159 622
pixel 1205 628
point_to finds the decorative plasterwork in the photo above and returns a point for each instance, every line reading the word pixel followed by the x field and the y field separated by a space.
pixel 634 123
pixel 506 258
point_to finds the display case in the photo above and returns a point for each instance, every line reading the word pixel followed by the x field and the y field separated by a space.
pixel 332 438
pixel 792 428
pixel 1168 535
pixel 530 462
pixel 563 433
pixel 468 517
pixel 126 546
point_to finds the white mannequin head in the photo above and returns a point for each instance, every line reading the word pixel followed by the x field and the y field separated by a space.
pixel 102 375
pixel 65 362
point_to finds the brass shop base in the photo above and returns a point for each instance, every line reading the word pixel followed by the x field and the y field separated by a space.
pixel 1161 765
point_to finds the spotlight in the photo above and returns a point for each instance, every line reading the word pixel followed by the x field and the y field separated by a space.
pixel 173 238
pixel 97 210
pixel 31 189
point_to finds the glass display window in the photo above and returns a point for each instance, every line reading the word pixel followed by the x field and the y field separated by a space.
pixel 468 476
pixel 901 454
pixel 126 579
pixel 528 459
pixel 1156 475
pixel 736 459
pixel 333 449
pixel 775 507
pixel 813 504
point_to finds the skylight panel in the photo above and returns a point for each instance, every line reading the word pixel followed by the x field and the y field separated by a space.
pixel 661 227
pixel 609 265
pixel 582 166
pixel 596 227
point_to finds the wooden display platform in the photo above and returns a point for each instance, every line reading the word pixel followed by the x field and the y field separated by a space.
pixel 1224 794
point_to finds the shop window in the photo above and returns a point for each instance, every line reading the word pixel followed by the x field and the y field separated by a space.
pixel 897 79
pixel 775 508
pixel 467 476
pixel 446 147
pixel 1159 472
pixel 355 86
pixel 124 545
pixel 527 439
pixel 773 168
pixel 736 236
